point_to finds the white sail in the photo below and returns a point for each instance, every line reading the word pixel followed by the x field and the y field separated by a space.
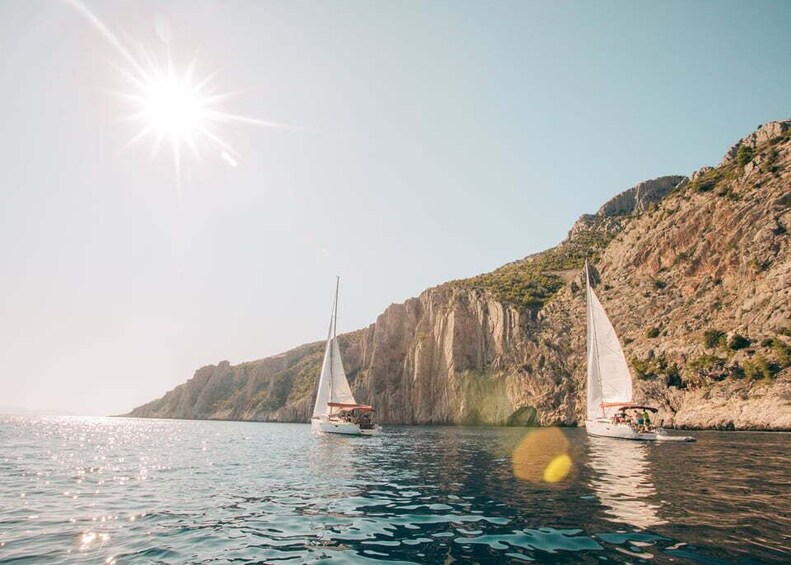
pixel 608 374
pixel 340 391
pixel 333 385
pixel 323 394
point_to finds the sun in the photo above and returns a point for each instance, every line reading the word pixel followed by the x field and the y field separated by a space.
pixel 173 108
pixel 170 105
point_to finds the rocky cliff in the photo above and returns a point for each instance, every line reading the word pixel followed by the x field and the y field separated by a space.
pixel 694 272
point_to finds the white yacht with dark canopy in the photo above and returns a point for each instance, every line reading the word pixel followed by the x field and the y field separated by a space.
pixel 611 410
pixel 336 411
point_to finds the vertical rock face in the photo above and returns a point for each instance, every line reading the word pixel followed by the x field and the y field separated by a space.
pixel 449 356
pixel 638 198
pixel 695 274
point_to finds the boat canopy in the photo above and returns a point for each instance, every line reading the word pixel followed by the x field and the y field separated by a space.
pixel 345 406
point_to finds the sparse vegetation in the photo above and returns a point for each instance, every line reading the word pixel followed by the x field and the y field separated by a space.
pixel 782 352
pixel 759 368
pixel 652 368
pixel 768 164
pixel 705 182
pixel 738 341
pixel 709 367
pixel 744 155
pixel 533 281
pixel 759 266
pixel 713 338
pixel 652 332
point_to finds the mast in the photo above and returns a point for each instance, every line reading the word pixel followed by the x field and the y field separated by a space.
pixel 335 315
pixel 334 326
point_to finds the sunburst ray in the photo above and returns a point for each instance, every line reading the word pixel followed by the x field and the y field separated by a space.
pixel 172 105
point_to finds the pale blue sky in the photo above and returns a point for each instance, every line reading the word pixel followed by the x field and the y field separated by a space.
pixel 442 139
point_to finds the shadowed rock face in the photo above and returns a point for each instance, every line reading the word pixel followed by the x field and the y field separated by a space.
pixel 677 261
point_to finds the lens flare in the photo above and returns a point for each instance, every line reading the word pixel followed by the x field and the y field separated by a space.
pixel 557 469
pixel 542 457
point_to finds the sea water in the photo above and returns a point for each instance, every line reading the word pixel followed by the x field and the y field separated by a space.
pixel 113 490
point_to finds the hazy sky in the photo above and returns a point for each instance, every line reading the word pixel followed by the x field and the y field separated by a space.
pixel 439 140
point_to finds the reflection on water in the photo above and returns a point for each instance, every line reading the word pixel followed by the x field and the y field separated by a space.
pixel 100 490
pixel 623 481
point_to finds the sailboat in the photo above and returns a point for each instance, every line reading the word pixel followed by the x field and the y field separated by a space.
pixel 611 411
pixel 336 411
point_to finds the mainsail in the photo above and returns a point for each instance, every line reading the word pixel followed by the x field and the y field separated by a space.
pixel 333 385
pixel 609 380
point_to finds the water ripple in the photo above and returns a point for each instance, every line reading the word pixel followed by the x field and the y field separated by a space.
pixel 100 490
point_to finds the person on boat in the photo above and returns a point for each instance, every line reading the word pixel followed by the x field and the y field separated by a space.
pixel 646 420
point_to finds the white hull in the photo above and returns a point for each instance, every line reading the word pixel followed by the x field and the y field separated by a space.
pixel 605 428
pixel 340 427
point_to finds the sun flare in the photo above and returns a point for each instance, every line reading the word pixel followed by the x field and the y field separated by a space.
pixel 174 108
pixel 170 105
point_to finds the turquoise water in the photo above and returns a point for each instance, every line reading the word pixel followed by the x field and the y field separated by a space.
pixel 102 490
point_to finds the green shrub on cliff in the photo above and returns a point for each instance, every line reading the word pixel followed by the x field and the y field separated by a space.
pixel 759 368
pixel 744 155
pixel 707 368
pixel 705 182
pixel 713 338
pixel 782 353
pixel 652 368
pixel 738 341
pixel 652 332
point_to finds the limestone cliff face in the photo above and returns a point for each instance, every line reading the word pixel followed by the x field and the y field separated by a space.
pixel 696 277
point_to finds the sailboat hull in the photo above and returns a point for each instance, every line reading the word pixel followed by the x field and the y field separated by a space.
pixel 343 428
pixel 605 428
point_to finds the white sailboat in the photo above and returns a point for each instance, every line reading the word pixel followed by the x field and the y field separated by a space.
pixel 611 411
pixel 336 411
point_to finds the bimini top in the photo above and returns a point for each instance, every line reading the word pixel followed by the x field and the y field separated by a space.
pixel 623 406
pixel 345 406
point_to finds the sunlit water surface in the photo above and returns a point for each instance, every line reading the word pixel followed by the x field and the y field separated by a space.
pixel 102 490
